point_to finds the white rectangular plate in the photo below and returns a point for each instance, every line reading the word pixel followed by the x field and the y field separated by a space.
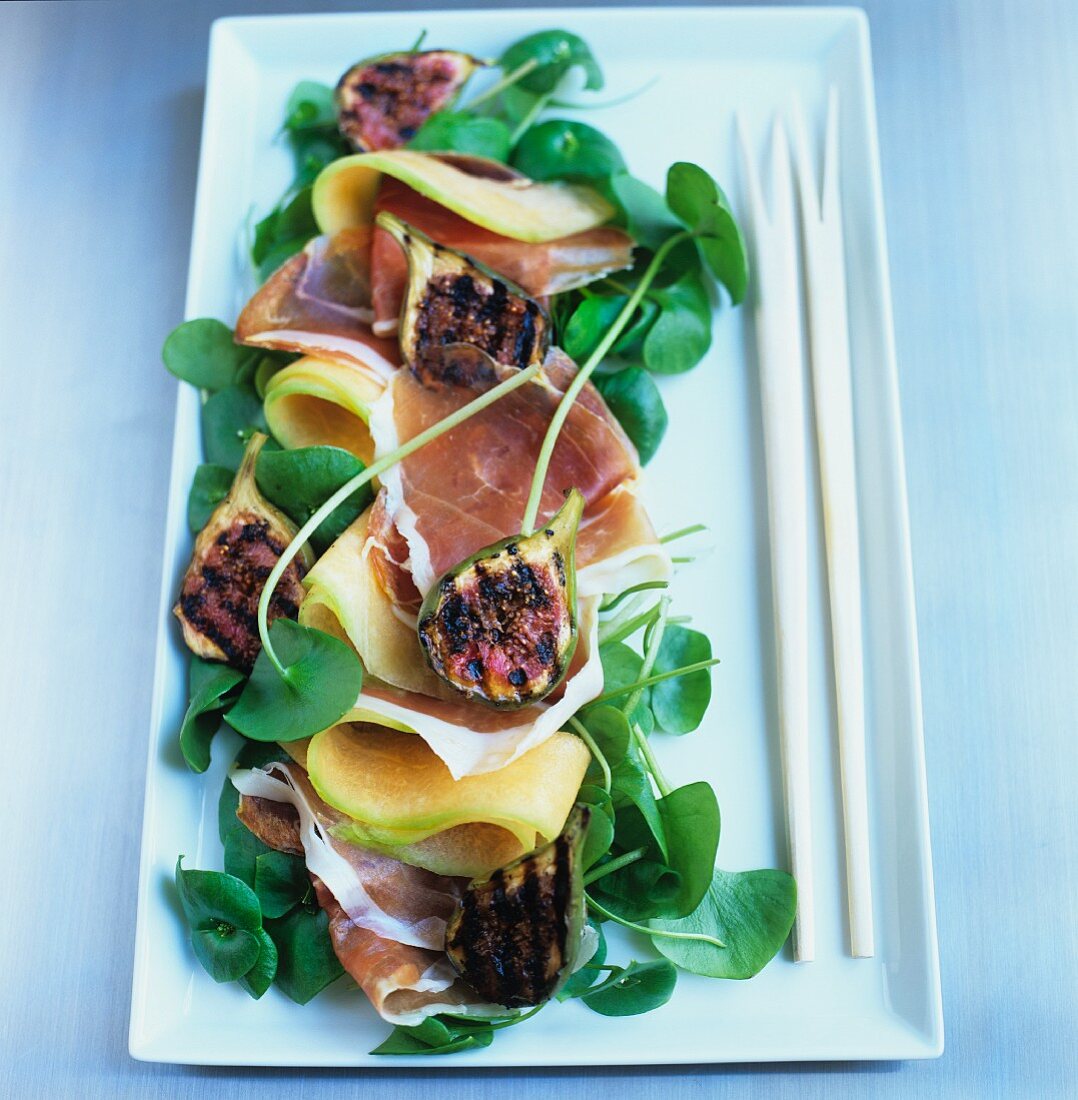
pixel 710 63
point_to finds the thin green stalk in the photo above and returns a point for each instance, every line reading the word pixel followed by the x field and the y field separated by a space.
pixel 662 933
pixel 534 112
pixel 652 641
pixel 372 471
pixel 644 586
pixel 650 762
pixel 614 864
pixel 624 626
pixel 582 375
pixel 683 532
pixel 506 81
pixel 685 560
pixel 616 693
pixel 596 752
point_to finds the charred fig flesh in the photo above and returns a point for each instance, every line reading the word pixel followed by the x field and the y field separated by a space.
pixel 234 553
pixel 383 101
pixel 501 627
pixel 451 299
pixel 515 937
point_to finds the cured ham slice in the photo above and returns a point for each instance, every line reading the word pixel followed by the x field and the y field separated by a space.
pixel 319 303
pixel 540 269
pixel 469 488
pixel 386 919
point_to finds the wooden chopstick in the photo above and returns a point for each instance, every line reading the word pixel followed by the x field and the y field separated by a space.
pixel 778 329
pixel 821 225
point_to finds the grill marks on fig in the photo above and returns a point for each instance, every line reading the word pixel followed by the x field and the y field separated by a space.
pixel 469 308
pixel 510 938
pixel 221 589
pixel 381 104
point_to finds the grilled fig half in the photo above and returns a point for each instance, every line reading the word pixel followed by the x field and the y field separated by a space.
pixel 233 556
pixel 383 101
pixel 451 299
pixel 515 937
pixel 501 627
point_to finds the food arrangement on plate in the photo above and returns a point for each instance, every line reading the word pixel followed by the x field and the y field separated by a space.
pixel 424 586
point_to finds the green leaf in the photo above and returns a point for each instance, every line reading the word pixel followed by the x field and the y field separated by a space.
pixel 306 963
pixel 563 149
pixel 310 105
pixel 586 977
pixel 700 203
pixel 642 210
pixel 260 977
pixel 242 847
pixel 281 881
pixel 666 885
pixel 283 232
pixel 209 487
pixel 681 335
pixel 300 481
pixel 638 988
pixel 751 912
pixel 589 324
pixel 322 680
pixel 460 132
pixel 437 1035
pixel 210 683
pixel 229 419
pixel 600 834
pixel 203 353
pixel 679 704
pixel 226 953
pixel 622 666
pixel 634 399
pixel 556 52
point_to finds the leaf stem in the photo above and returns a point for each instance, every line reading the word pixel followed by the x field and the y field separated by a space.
pixel 613 865
pixel 683 532
pixel 596 752
pixel 625 625
pixel 662 933
pixel 534 112
pixel 506 81
pixel 372 471
pixel 644 586
pixel 652 641
pixel 650 761
pixel 582 375
pixel 616 693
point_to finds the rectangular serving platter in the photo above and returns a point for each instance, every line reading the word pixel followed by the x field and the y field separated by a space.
pixel 709 63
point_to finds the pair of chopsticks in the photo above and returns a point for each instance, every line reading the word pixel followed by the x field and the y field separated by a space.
pixel 778 327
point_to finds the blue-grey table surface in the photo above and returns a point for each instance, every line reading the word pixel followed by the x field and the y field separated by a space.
pixel 100 110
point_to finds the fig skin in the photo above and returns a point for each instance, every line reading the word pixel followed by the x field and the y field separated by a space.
pixel 501 627
pixel 452 299
pixel 234 553
pixel 515 937
pixel 383 101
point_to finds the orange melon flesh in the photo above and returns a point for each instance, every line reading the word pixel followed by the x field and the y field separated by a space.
pixel 396 788
pixel 345 190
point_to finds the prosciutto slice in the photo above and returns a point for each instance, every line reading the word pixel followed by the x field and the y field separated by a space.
pixel 469 488
pixel 540 269
pixel 405 981
pixel 319 303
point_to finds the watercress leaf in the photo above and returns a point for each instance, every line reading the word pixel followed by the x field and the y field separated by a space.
pixel 643 211
pixel 209 897
pixel 306 963
pixel 260 977
pixel 203 353
pixel 637 328
pixel 556 52
pixel 322 679
pixel 299 481
pixel 214 681
pixel 589 324
pixel 563 149
pixel 701 204
pixel 209 487
pixel 751 912
pixel 310 105
pixel 226 953
pixel 241 847
pixel 281 881
pixel 681 334
pixel 283 232
pixel 635 400
pixel 586 977
pixel 516 103
pixel 599 837
pixel 621 668
pixel 433 1037
pixel 679 704
pixel 460 132
pixel 638 988
pixel 229 418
